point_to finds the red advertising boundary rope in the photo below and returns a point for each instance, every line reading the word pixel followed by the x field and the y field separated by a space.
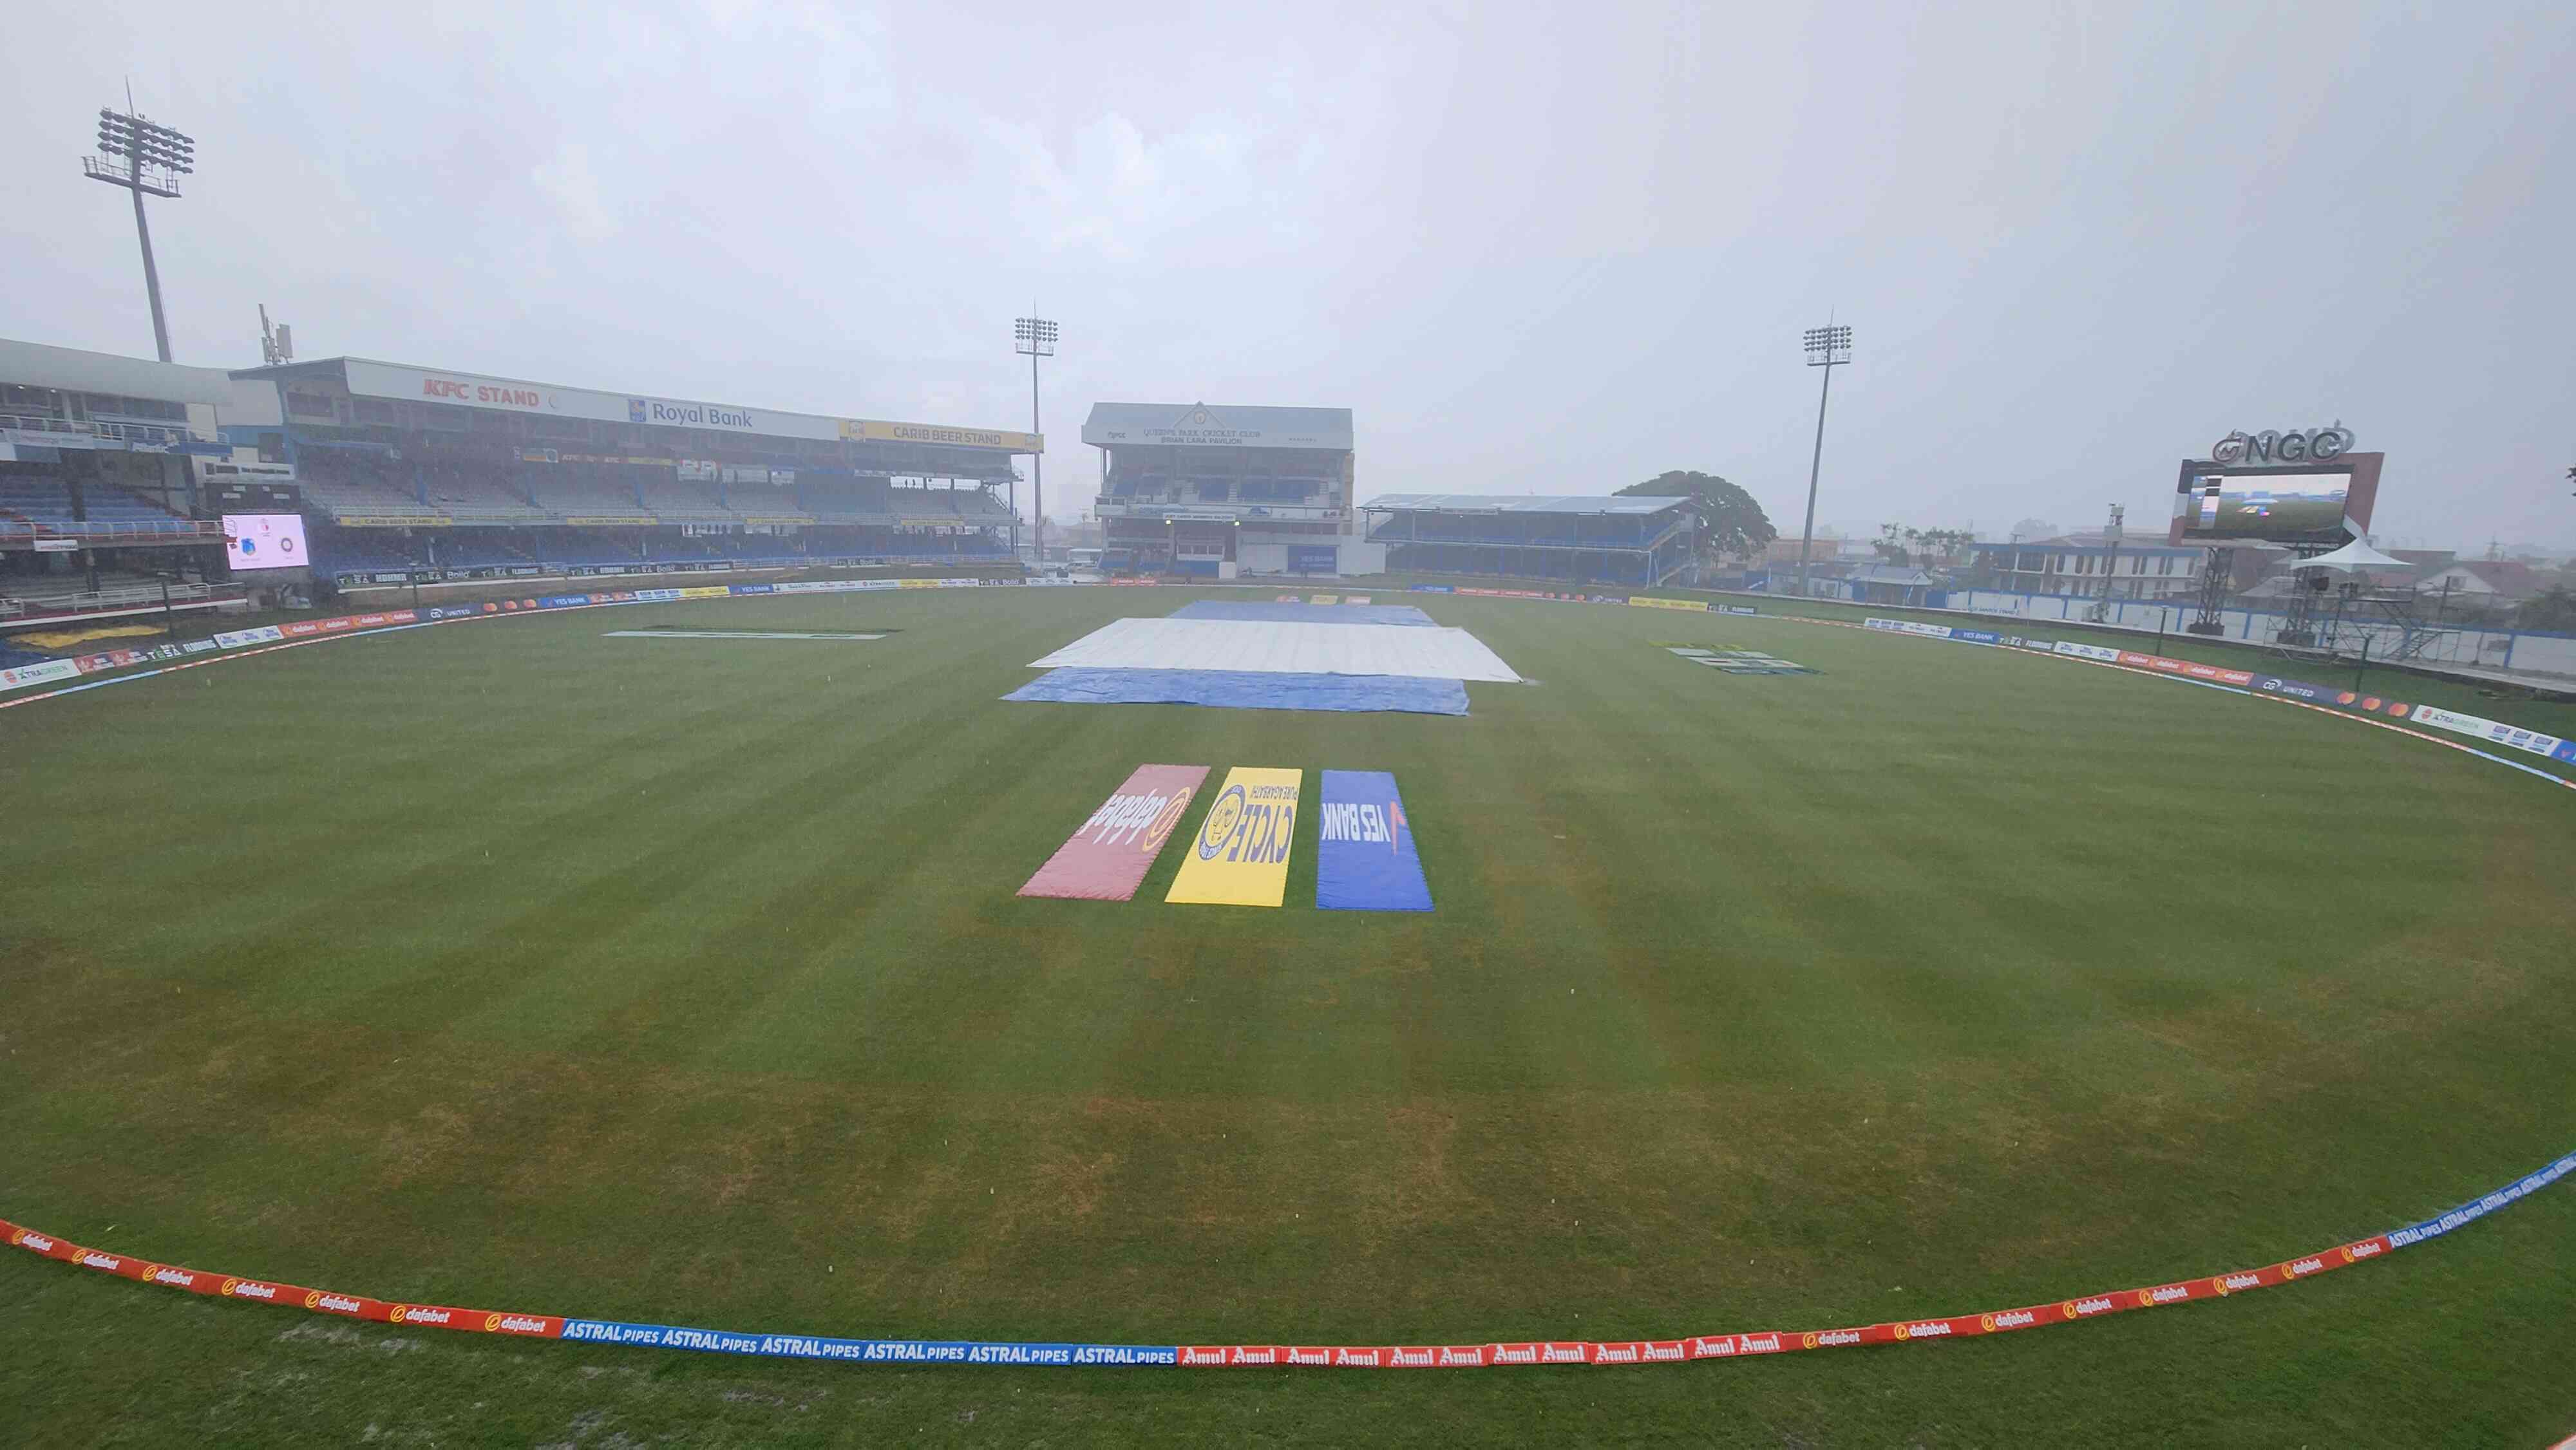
pixel 1432 1356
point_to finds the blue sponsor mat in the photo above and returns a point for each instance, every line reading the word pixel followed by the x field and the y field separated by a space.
pixel 1273 612
pixel 1247 690
pixel 1366 860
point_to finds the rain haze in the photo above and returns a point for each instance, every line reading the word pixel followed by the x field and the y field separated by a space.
pixel 1536 248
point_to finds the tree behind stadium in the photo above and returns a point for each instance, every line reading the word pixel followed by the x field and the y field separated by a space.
pixel 1731 524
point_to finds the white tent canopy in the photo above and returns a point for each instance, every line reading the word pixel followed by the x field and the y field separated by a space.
pixel 2351 557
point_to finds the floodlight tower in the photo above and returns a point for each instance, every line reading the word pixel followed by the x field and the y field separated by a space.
pixel 1034 336
pixel 1826 346
pixel 143 157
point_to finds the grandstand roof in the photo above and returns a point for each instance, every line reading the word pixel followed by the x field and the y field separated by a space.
pixel 367 377
pixel 38 365
pixel 1198 425
pixel 1497 503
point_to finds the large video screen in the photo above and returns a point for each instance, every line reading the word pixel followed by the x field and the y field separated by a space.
pixel 2258 506
pixel 264 541
pixel 2276 506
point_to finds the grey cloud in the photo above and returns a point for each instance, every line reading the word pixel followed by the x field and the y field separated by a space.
pixel 1536 247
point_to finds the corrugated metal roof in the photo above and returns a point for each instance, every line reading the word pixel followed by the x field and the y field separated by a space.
pixel 38 365
pixel 1503 503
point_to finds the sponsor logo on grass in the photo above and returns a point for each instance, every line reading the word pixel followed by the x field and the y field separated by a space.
pixel 1829 1338
pixel 1107 858
pixel 1367 859
pixel 1240 856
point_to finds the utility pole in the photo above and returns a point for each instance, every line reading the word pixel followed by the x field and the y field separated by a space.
pixel 153 158
pixel 2110 563
pixel 1035 336
pixel 1826 346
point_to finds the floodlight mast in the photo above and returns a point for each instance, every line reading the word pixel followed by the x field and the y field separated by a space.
pixel 1034 336
pixel 1826 347
pixel 154 157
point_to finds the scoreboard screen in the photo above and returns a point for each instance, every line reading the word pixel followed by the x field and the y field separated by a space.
pixel 2317 504
pixel 2265 506
pixel 264 541
pixel 254 496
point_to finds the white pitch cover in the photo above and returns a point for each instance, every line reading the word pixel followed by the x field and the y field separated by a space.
pixel 1274 648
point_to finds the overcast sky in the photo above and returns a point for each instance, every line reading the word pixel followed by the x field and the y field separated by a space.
pixel 1534 248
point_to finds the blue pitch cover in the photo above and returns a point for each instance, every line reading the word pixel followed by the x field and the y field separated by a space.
pixel 1366 859
pixel 1246 690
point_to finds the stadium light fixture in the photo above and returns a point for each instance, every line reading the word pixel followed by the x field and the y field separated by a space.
pixel 1034 337
pixel 146 158
pixel 1827 347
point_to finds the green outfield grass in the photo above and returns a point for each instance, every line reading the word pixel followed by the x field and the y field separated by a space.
pixel 509 965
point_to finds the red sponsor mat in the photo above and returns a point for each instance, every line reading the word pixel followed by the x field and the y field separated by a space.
pixel 1106 860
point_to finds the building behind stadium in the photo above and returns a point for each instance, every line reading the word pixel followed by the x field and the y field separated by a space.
pixel 1200 489
pixel 117 472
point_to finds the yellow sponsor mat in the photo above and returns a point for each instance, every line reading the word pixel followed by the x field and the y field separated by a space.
pixel 66 638
pixel 1240 855
pixel 1642 602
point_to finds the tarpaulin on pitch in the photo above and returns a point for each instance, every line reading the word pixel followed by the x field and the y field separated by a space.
pixel 1288 610
pixel 1248 690
pixel 1107 859
pixel 1366 859
pixel 1240 855
pixel 1271 647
